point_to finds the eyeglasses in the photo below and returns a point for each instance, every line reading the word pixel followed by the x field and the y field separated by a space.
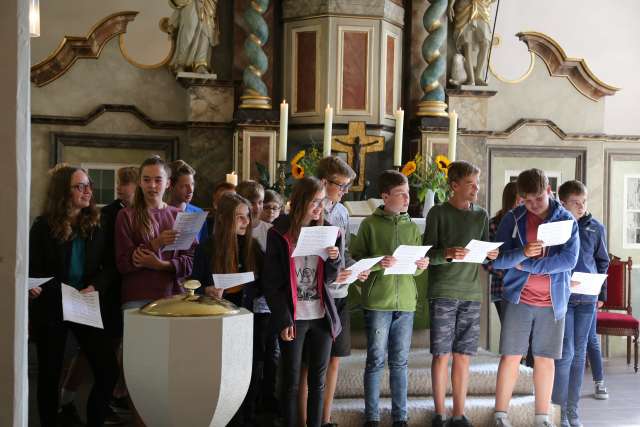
pixel 272 208
pixel 83 187
pixel 341 187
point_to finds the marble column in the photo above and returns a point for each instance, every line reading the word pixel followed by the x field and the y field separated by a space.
pixel 432 81
pixel 255 94
pixel 15 170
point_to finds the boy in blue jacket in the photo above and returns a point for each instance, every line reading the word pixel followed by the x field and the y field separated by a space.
pixel 536 293
pixel 582 308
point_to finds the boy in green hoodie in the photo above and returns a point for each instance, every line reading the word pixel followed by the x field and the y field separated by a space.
pixel 389 301
pixel 455 291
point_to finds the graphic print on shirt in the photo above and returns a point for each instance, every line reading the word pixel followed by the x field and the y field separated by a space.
pixel 306 268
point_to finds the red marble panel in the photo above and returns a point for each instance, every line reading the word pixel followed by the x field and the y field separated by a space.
pixel 354 70
pixel 306 71
pixel 258 152
pixel 391 48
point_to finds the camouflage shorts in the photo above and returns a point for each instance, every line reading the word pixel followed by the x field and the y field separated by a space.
pixel 455 326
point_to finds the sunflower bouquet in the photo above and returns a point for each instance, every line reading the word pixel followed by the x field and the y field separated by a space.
pixel 305 163
pixel 428 174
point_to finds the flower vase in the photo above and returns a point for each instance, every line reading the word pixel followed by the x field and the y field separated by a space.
pixel 429 201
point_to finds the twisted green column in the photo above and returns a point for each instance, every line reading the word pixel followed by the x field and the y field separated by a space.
pixel 255 93
pixel 432 101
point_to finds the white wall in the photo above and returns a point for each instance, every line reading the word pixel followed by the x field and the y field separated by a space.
pixel 605 33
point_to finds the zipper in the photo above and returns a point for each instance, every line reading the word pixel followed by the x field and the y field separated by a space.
pixel 395 276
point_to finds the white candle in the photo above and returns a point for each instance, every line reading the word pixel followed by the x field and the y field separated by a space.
pixel 284 120
pixel 453 134
pixel 328 127
pixel 397 147
pixel 232 178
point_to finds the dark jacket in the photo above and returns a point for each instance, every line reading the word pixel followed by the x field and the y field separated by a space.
pixel 50 257
pixel 202 269
pixel 557 263
pixel 594 257
pixel 280 288
pixel 113 295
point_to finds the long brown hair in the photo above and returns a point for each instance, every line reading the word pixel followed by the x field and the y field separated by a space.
pixel 57 209
pixel 142 221
pixel 226 253
pixel 303 193
pixel 509 198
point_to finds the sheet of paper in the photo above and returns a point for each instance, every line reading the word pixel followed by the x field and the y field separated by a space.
pixel 35 282
pixel 188 224
pixel 590 284
pixel 406 257
pixel 358 208
pixel 357 268
pixel 555 233
pixel 478 251
pixel 226 281
pixel 315 241
pixel 81 308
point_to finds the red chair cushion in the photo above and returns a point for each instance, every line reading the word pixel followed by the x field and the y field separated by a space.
pixel 615 282
pixel 617 320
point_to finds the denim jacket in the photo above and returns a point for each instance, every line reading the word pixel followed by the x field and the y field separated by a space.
pixel 558 262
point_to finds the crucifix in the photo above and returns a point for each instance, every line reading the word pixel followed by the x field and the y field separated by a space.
pixel 357 144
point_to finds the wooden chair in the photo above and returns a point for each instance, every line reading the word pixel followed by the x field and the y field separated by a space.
pixel 619 299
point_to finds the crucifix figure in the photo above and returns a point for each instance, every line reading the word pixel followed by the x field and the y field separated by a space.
pixel 357 144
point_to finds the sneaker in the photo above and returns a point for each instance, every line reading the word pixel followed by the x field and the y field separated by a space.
pixel 462 422
pixel 113 419
pixel 438 421
pixel 601 391
pixel 399 424
pixel 68 416
pixel 573 418
pixel 502 422
pixel 544 423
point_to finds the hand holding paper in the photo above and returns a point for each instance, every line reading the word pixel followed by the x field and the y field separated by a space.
pixel 406 257
pixel 315 241
pixel 226 281
pixel 588 283
pixel 188 225
pixel 477 251
pixel 35 282
pixel 81 308
pixel 359 267
pixel 555 233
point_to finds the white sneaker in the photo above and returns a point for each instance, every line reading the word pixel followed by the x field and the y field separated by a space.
pixel 601 391
pixel 544 423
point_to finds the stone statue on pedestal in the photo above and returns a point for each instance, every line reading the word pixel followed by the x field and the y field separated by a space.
pixel 195 28
pixel 471 32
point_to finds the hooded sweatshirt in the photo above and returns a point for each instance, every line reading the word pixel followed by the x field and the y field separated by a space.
pixel 594 257
pixel 379 235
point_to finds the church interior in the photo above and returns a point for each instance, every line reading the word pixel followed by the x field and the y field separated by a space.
pixel 260 90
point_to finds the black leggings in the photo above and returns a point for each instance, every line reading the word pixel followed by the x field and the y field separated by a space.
pixel 51 336
pixel 317 336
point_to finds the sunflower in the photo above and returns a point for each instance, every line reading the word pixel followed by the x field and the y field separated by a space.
pixel 297 157
pixel 443 163
pixel 409 168
pixel 297 171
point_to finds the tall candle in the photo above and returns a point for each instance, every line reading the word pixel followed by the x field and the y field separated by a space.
pixel 232 178
pixel 397 147
pixel 328 127
pixel 453 134
pixel 284 120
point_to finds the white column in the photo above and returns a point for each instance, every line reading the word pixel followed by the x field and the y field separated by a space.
pixel 15 175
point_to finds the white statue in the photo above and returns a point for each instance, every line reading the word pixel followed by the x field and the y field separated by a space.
pixel 195 28
pixel 471 31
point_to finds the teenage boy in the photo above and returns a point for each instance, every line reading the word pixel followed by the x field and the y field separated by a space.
pixel 536 293
pixel 389 301
pixel 581 310
pixel 181 188
pixel 455 291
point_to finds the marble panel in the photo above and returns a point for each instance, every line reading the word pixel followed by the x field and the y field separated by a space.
pixel 210 103
pixel 306 71
pixel 389 75
pixel 354 70
pixel 472 111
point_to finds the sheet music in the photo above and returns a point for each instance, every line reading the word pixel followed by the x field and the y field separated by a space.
pixel 226 281
pixel 590 283
pixel 81 308
pixel 188 225
pixel 35 282
pixel 478 250
pixel 406 257
pixel 357 268
pixel 555 233
pixel 315 241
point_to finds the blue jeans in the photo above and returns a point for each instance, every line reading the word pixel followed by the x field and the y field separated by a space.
pixel 570 368
pixel 594 353
pixel 387 330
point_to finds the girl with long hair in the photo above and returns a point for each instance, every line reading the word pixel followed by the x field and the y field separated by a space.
pixel 141 232
pixel 302 311
pixel 67 243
